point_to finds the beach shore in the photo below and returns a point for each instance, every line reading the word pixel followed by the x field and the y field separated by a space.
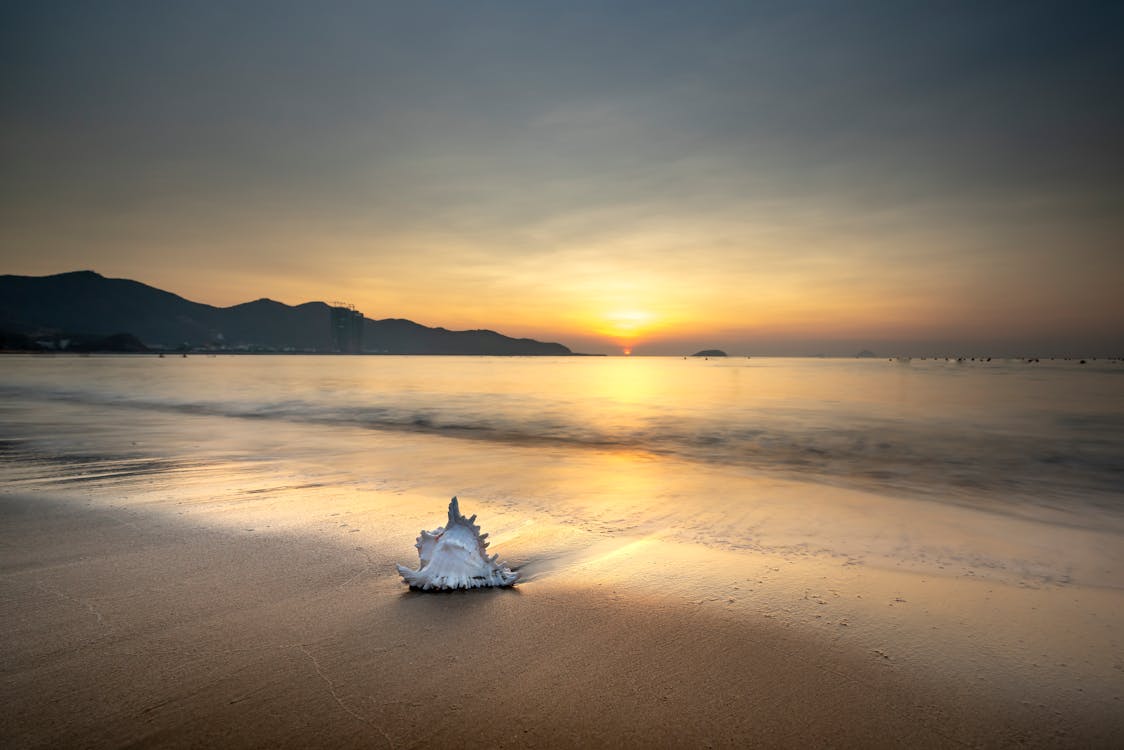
pixel 175 621
pixel 173 578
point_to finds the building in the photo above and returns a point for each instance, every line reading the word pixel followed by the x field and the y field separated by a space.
pixel 347 328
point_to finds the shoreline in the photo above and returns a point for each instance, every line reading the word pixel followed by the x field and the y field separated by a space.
pixel 195 579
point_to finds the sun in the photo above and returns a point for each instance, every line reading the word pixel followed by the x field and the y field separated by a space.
pixel 622 326
pixel 625 327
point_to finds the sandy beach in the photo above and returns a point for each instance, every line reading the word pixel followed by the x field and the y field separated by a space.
pixel 174 576
pixel 130 625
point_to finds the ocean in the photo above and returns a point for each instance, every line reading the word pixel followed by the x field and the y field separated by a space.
pixel 865 460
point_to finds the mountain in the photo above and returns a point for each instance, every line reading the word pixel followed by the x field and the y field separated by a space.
pixel 87 303
pixel 710 353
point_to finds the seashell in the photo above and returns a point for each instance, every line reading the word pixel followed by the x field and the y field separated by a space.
pixel 454 557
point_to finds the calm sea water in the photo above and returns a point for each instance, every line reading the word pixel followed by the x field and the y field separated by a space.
pixel 1001 434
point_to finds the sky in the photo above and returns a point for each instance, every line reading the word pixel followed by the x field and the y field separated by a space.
pixel 659 177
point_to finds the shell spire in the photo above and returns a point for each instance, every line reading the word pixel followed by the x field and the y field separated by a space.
pixel 454 557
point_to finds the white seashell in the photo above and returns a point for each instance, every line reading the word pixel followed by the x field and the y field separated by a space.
pixel 453 557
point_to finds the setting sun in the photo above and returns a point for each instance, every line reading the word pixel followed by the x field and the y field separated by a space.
pixel 626 327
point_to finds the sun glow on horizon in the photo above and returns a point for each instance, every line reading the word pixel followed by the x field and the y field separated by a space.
pixel 625 327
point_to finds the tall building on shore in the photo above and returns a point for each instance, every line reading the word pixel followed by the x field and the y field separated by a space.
pixel 347 328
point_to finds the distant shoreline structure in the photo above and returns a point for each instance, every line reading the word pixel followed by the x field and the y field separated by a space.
pixel 965 361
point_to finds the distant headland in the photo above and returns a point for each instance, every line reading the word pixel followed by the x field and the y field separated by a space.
pixel 710 353
pixel 84 311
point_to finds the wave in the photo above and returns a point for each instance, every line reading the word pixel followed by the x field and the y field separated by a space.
pixel 1076 463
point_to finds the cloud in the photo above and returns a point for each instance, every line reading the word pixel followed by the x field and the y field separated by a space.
pixel 799 164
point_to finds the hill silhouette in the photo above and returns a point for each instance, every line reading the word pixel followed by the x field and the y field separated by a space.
pixel 88 303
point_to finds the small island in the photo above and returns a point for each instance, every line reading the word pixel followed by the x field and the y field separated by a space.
pixel 710 353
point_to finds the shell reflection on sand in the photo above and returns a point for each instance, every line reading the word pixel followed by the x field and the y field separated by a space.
pixel 454 557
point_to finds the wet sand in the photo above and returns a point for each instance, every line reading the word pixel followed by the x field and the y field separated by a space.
pixel 189 620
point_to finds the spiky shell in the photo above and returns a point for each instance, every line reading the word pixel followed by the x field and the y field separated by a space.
pixel 454 556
